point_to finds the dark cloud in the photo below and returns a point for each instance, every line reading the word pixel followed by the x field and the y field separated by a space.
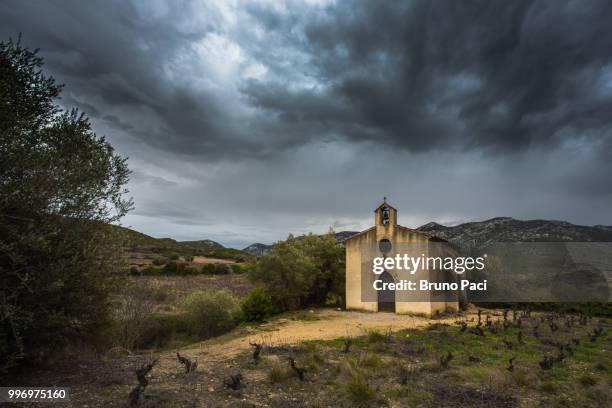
pixel 246 121
pixel 420 75
pixel 117 55
pixel 501 76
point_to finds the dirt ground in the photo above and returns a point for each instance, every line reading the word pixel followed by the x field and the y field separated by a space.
pixel 107 380
pixel 200 260
pixel 323 324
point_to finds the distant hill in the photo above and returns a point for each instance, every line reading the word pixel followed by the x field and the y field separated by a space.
pixel 204 244
pixel 506 229
pixel 138 242
pixel 259 249
pixel 343 235
pixel 135 240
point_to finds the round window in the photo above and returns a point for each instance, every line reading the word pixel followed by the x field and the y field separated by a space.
pixel 385 246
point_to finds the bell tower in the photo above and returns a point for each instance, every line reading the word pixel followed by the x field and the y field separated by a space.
pixel 385 220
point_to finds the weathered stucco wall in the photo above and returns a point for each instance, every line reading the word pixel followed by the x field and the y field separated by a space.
pixel 353 271
pixel 396 234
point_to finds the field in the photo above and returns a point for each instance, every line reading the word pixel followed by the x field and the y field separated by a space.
pixel 166 292
pixel 390 361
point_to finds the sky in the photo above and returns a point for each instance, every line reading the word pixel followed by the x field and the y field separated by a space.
pixel 246 121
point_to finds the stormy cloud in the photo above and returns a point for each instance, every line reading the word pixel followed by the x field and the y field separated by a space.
pixel 245 121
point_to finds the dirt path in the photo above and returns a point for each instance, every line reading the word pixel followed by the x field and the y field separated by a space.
pixel 323 324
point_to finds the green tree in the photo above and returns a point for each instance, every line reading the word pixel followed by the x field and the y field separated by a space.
pixel 257 306
pixel 328 258
pixel 302 272
pixel 60 185
pixel 287 273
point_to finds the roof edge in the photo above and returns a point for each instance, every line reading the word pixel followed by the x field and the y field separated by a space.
pixel 429 236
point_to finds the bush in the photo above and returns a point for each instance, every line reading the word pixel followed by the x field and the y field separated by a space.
pixel 277 374
pixel 210 314
pixel 222 269
pixel 239 268
pixel 208 269
pixel 173 268
pixel 132 314
pixel 134 270
pixel 149 270
pixel 178 268
pixel 257 306
pixel 587 380
pixel 357 389
pixel 288 275
pixel 216 269
pixel 298 273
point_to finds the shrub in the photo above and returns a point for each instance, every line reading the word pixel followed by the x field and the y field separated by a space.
pixel 375 336
pixel 179 268
pixel 208 269
pixel 257 306
pixel 222 269
pixel 216 269
pixel 587 380
pixel 134 270
pixel 160 294
pixel 172 268
pixel 601 367
pixel 149 270
pixel 548 387
pixel 287 273
pixel 277 374
pixel 239 268
pixel 210 313
pixel 190 270
pixel 302 272
pixel 357 389
pixel 132 313
pixel 370 360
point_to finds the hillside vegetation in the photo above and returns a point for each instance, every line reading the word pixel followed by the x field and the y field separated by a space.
pixel 142 246
pixel 259 249
pixel 505 229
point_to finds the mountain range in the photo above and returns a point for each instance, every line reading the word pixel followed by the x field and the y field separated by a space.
pixel 506 229
pixel 500 229
pixel 259 249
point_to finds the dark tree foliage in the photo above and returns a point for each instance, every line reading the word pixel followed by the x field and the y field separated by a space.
pixel 60 185
pixel 302 272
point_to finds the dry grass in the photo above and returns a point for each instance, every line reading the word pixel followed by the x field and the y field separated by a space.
pixel 167 292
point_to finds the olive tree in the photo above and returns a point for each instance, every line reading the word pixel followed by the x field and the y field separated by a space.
pixel 60 187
